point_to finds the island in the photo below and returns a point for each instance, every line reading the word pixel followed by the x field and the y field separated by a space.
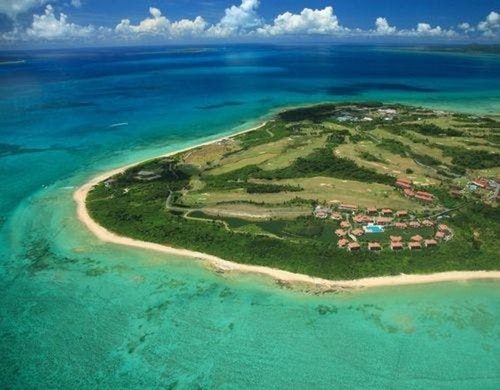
pixel 328 192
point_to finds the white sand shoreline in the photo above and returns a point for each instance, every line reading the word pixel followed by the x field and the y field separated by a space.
pixel 281 276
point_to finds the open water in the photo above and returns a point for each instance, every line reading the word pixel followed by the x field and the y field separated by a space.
pixel 76 313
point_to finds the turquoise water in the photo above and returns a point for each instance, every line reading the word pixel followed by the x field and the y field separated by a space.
pixel 373 229
pixel 78 313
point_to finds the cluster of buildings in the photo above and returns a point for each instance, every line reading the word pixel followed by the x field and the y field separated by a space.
pixel 355 224
pixel 408 191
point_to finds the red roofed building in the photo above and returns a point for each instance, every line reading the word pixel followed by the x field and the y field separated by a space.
pixel 336 216
pixel 402 213
pixel 417 238
pixel 396 238
pixel 348 207
pixel 353 246
pixel 340 233
pixel 430 243
pixel 358 232
pixel 425 194
pixel 371 210
pixel 409 193
pixel 382 220
pixel 401 225
pixel 443 228
pixel 424 198
pixel 414 224
pixel 342 243
pixel 402 183
pixel 427 222
pixel 396 245
pixel 482 183
pixel 414 245
pixel 374 246
pixel 440 235
pixel 345 224
pixel 386 212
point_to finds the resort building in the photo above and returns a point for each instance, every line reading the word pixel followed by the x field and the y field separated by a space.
pixel 340 232
pixel 374 246
pixel 427 223
pixel 417 238
pixel 345 224
pixel 402 213
pixel 397 245
pixel 440 236
pixel 443 228
pixel 414 245
pixel 409 193
pixel 336 216
pixel 353 246
pixel 358 232
pixel 424 198
pixel 403 183
pixel 372 210
pixel 386 212
pixel 414 224
pixel 396 238
pixel 382 220
pixel 342 243
pixel 430 243
pixel 401 225
pixel 348 207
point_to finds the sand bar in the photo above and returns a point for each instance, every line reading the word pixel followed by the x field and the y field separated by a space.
pixel 281 276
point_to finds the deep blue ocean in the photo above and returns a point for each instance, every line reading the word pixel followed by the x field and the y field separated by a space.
pixel 79 313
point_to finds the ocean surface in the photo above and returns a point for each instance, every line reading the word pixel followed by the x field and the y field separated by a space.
pixel 76 313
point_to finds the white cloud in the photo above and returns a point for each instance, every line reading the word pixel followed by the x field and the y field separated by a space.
pixel 307 22
pixel 76 3
pixel 491 25
pixel 383 27
pixel 237 20
pixel 159 25
pixel 12 8
pixel 47 26
pixel 466 27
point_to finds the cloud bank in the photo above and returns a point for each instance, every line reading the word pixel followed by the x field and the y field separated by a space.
pixel 240 21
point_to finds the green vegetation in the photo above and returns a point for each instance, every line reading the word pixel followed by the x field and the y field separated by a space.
pixel 238 200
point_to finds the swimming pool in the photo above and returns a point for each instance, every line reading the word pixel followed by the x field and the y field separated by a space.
pixel 373 229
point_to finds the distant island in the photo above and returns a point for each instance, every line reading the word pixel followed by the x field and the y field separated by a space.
pixel 332 191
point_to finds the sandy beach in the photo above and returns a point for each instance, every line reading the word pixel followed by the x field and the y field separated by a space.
pixel 281 276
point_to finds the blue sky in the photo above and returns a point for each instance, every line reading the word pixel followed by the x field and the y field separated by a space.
pixel 98 22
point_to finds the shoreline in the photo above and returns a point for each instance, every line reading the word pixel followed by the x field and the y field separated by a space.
pixel 280 276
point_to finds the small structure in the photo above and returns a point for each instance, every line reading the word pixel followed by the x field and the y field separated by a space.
pixel 353 246
pixel 336 216
pixel 414 224
pixel 430 243
pixel 147 175
pixel 386 212
pixel 401 213
pixel 401 225
pixel 443 228
pixel 340 232
pixel 374 246
pixel 358 232
pixel 417 238
pixel 342 243
pixel 320 214
pixel 372 210
pixel 424 198
pixel 403 183
pixel 382 220
pixel 345 224
pixel 409 193
pixel 427 223
pixel 348 207
pixel 397 245
pixel 396 238
pixel 414 245
pixel 440 236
